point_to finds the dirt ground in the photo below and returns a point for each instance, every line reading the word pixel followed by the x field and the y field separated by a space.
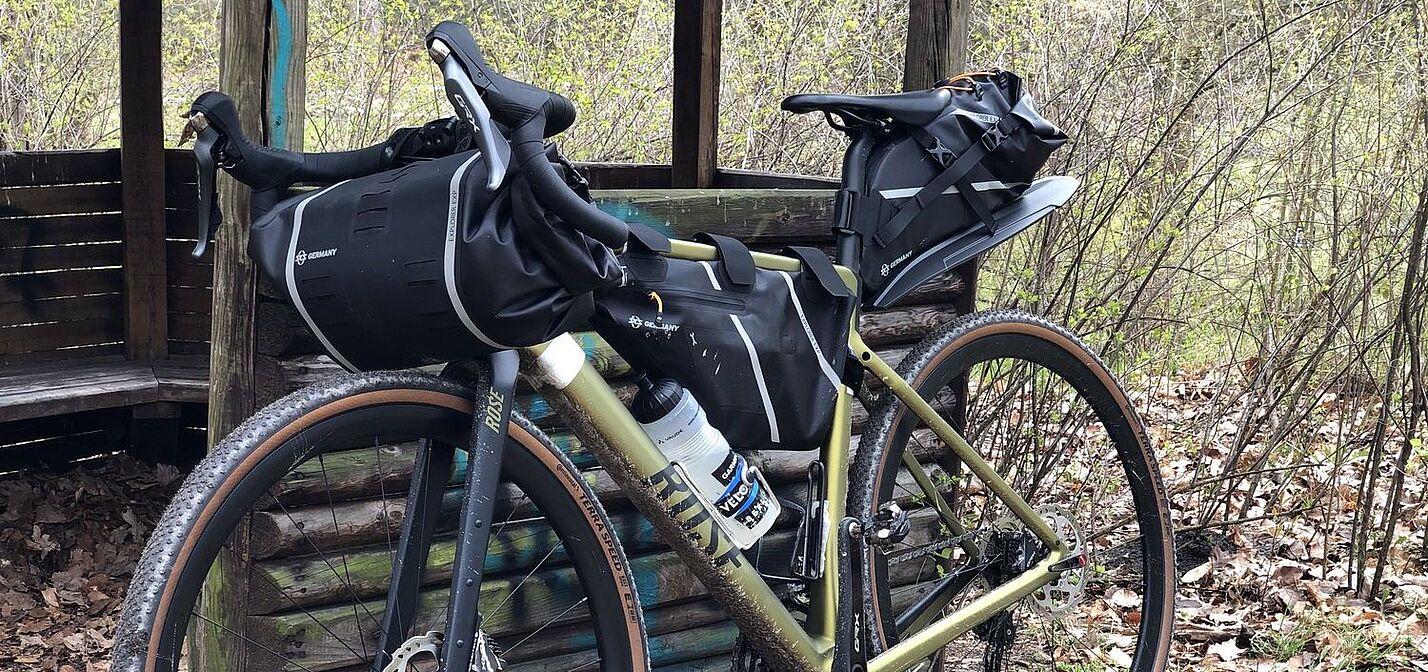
pixel 1263 594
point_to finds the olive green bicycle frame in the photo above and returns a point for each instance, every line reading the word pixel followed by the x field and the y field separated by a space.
pixel 810 647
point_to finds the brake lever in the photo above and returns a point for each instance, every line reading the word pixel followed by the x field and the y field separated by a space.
pixel 210 217
pixel 495 149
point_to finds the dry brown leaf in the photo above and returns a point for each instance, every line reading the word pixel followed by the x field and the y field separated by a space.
pixel 1125 599
pixel 1227 650
pixel 1195 574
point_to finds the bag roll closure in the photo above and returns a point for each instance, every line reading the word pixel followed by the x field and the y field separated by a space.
pixel 423 265
pixel 955 173
pixel 926 184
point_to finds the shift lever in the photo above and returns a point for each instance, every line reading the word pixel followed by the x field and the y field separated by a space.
pixel 495 149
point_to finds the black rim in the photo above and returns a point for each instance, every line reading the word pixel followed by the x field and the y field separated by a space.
pixel 981 355
pixel 548 580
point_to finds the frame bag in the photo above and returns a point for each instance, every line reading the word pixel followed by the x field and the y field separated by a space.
pixel 942 182
pixel 762 351
pixel 422 265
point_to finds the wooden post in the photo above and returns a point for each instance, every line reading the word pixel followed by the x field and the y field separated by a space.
pixel 141 137
pixel 695 132
pixel 287 83
pixel 262 54
pixel 936 48
pixel 936 41
pixel 286 102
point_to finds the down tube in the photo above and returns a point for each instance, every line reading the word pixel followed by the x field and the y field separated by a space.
pixel 605 427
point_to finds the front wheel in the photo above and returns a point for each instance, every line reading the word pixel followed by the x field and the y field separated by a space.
pixel 1048 416
pixel 277 553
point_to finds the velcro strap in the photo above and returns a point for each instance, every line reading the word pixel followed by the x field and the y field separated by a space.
pixel 647 239
pixel 737 262
pixel 817 263
pixel 954 173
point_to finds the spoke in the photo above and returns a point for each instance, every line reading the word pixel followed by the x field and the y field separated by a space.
pixel 510 515
pixel 547 624
pixel 585 666
pixel 337 532
pixel 345 583
pixel 386 515
pixel 387 530
pixel 245 638
pixel 312 617
pixel 526 578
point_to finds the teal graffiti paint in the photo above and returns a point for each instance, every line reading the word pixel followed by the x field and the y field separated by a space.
pixel 278 91
pixel 631 213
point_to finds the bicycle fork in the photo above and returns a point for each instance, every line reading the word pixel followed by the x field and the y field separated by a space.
pixel 461 643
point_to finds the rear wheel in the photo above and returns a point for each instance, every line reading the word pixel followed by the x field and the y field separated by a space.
pixel 277 553
pixel 1049 418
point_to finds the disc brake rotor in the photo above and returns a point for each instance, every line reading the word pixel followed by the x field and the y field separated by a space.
pixel 415 646
pixel 485 658
pixel 1066 592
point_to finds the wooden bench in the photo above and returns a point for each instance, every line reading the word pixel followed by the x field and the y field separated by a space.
pixel 67 389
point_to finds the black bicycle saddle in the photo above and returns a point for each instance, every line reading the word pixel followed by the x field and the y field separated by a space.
pixel 914 108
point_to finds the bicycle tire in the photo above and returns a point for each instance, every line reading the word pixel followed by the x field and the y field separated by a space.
pixel 228 483
pixel 1013 335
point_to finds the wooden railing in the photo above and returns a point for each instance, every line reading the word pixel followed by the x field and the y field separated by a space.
pixel 61 256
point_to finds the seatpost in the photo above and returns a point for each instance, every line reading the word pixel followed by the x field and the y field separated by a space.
pixel 849 240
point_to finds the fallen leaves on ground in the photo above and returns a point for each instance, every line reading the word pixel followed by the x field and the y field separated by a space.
pixel 71 541
pixel 1267 593
pixel 1270 590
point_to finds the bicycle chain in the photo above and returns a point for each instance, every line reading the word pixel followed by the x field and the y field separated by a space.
pixel 932 548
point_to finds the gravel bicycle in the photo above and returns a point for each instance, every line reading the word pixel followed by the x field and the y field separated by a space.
pixel 396 521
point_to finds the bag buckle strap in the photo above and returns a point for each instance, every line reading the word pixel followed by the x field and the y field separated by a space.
pixel 994 137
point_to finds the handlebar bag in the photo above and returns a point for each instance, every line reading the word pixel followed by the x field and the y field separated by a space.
pixel 762 351
pixel 422 265
pixel 927 184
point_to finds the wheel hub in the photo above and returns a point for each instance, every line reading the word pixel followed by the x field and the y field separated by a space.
pixel 1066 591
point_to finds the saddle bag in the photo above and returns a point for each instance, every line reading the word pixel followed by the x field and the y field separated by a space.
pixel 926 185
pixel 762 351
pixel 422 264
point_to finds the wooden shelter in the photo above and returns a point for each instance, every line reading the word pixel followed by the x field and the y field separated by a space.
pixel 113 337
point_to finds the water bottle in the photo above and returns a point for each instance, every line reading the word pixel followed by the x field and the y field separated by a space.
pixel 735 491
